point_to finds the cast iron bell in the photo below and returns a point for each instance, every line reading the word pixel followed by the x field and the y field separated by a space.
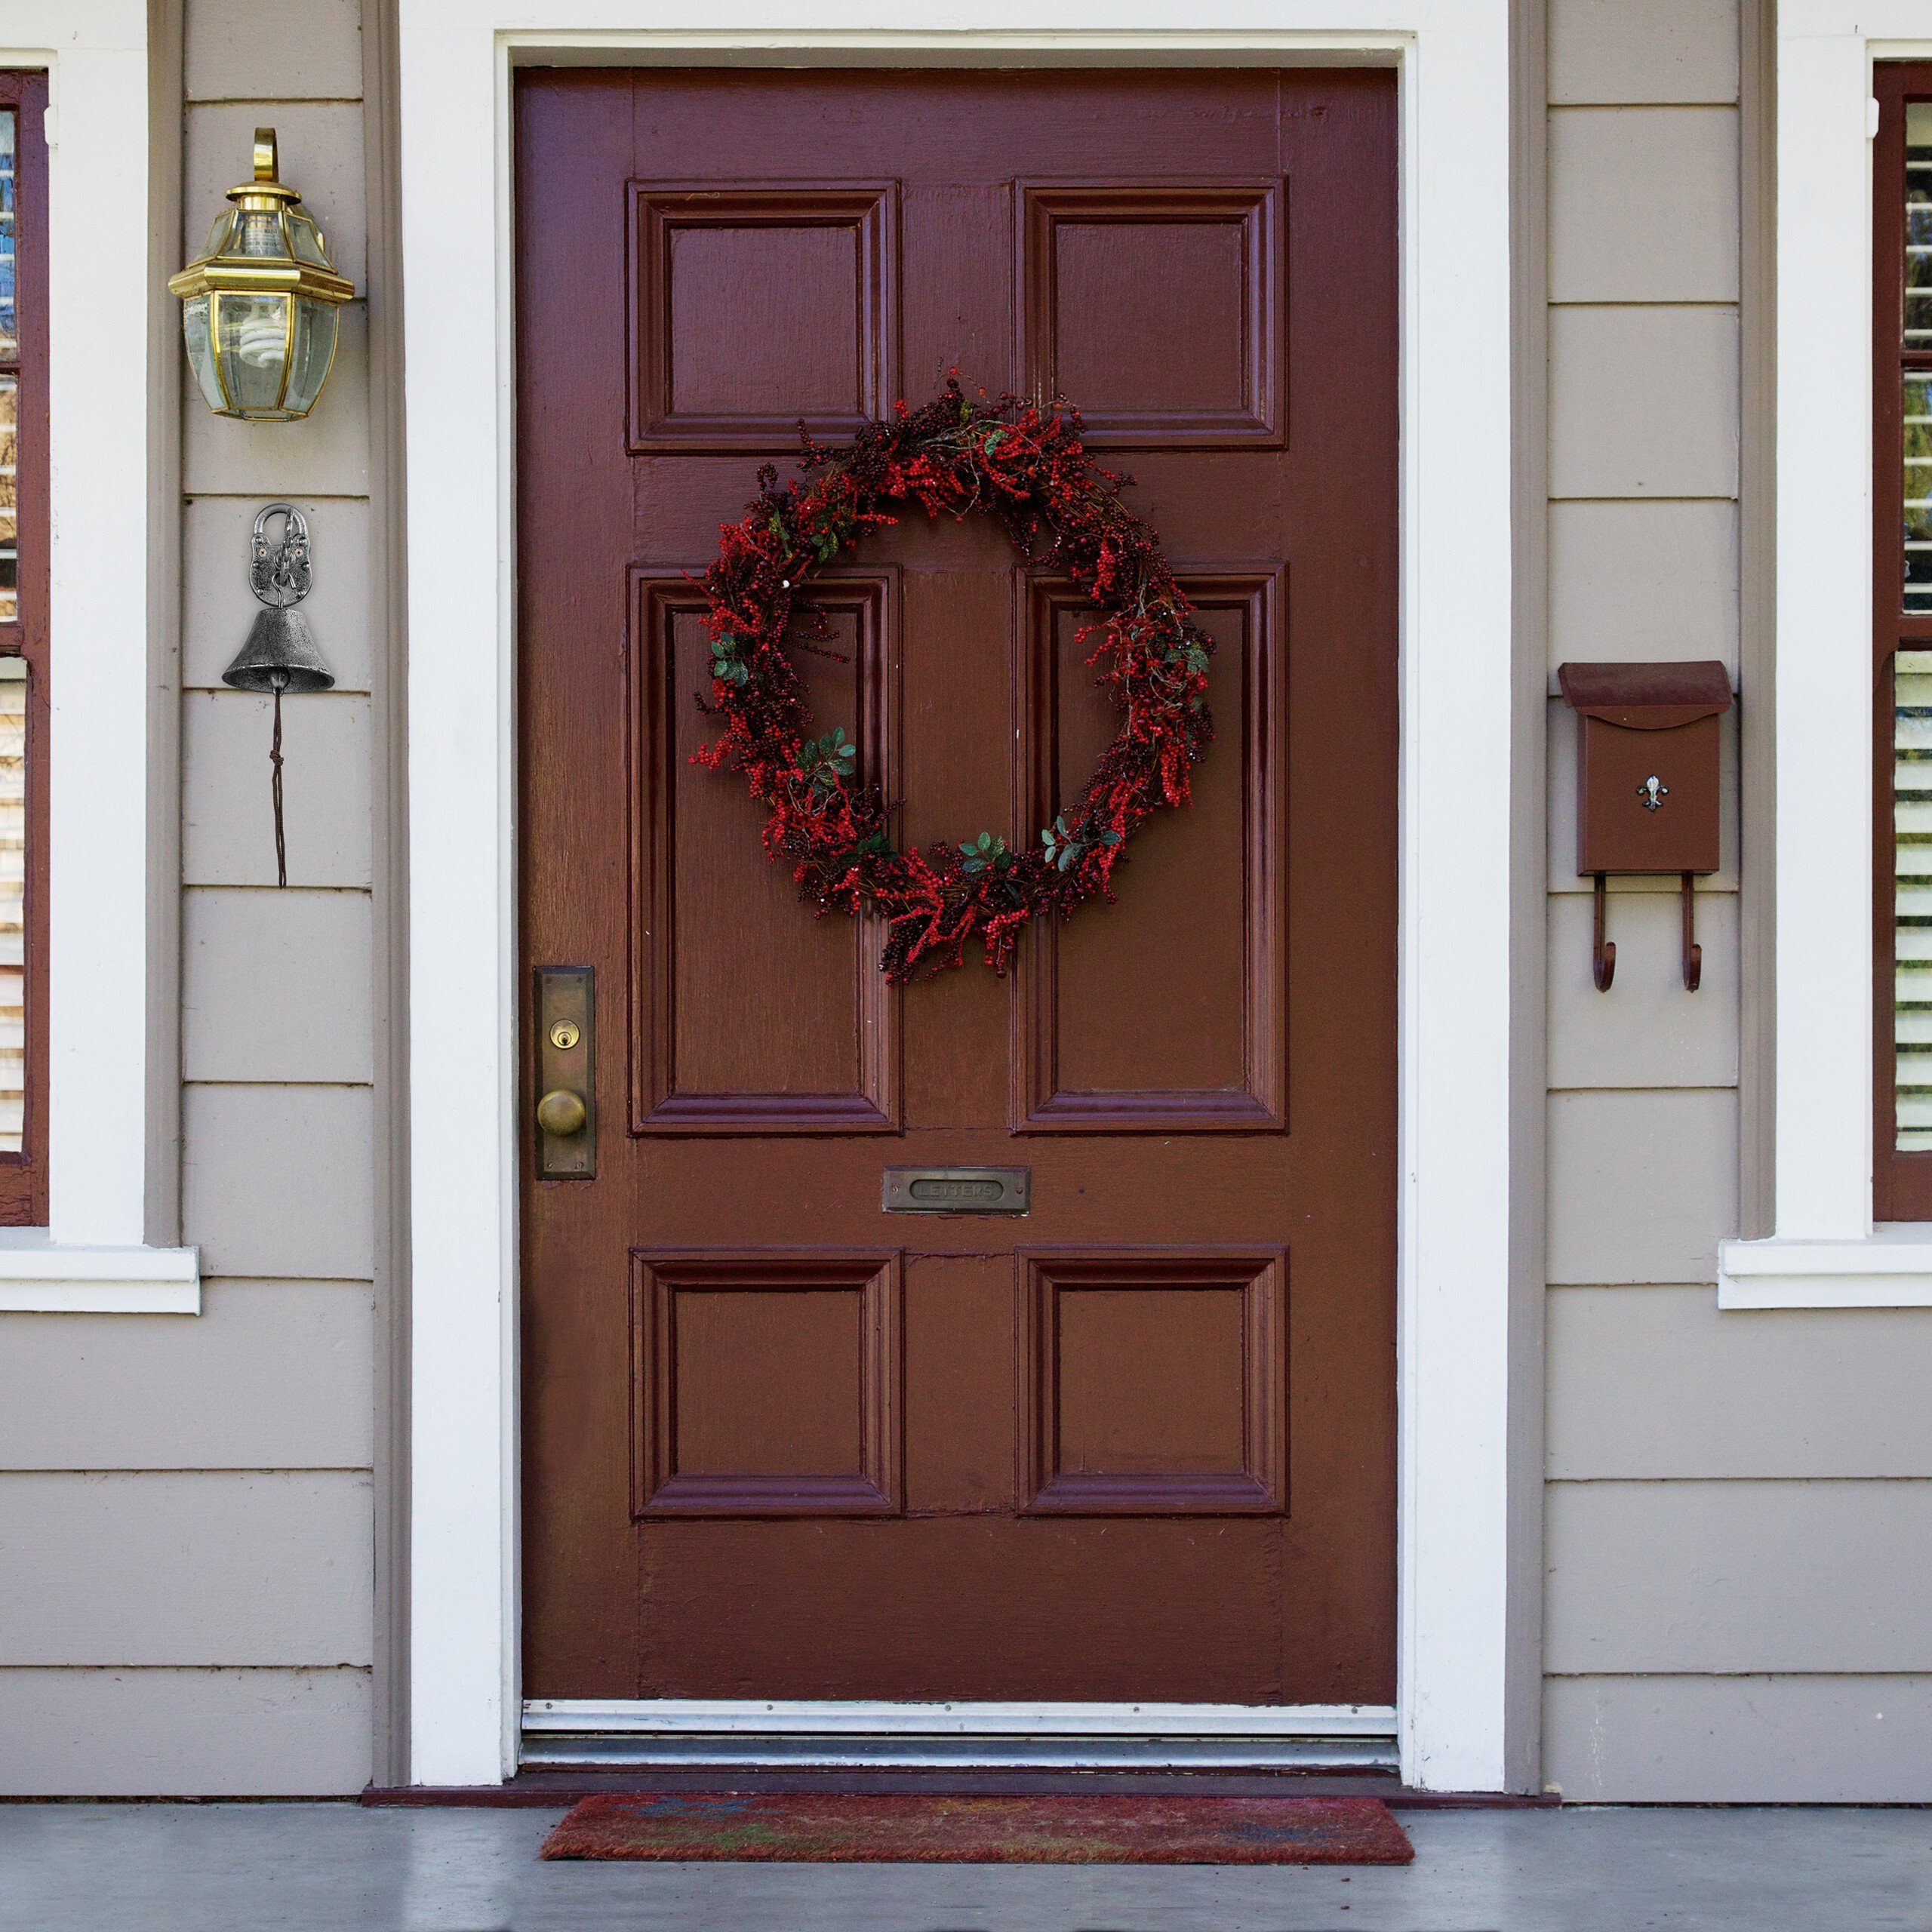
pixel 281 655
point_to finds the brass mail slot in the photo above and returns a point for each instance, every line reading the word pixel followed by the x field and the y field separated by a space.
pixel 957 1190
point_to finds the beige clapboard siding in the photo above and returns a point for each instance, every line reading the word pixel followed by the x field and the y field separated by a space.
pixel 1642 1185
pixel 1643 401
pixel 1564 876
pixel 276 1181
pixel 1653 1032
pixel 228 824
pixel 245 50
pixel 217 610
pixel 1757 1739
pixel 161 1733
pixel 182 1569
pixel 1658 1383
pixel 275 986
pixel 1744 1577
pixel 271 1375
pixel 1642 51
pixel 326 454
pixel 1662 575
pixel 1643 204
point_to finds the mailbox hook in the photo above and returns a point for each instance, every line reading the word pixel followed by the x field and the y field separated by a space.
pixel 1604 952
pixel 1693 953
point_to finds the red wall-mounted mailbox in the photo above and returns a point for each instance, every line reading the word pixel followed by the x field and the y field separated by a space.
pixel 1647 779
pixel 1640 722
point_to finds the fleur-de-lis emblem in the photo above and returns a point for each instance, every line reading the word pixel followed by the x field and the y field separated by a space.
pixel 1653 792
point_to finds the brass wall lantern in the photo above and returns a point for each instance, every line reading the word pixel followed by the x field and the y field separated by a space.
pixel 260 307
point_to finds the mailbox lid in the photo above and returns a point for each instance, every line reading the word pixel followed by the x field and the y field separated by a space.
pixel 1647 697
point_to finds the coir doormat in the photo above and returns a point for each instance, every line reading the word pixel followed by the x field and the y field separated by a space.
pixel 896 1828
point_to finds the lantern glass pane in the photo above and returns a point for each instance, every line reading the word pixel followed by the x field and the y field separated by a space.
pixel 257 232
pixel 201 350
pixel 251 338
pixel 13 904
pixel 305 240
pixel 9 329
pixel 315 325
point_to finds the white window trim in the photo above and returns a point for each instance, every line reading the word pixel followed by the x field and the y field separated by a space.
pixel 1454 1204
pixel 93 1257
pixel 1826 1252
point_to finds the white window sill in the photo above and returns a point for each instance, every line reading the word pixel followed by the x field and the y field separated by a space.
pixel 1891 1268
pixel 39 1276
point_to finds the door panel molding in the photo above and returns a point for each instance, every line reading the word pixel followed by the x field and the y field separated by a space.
pixel 1255 740
pixel 662 705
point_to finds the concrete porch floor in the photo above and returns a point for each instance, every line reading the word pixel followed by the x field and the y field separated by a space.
pixel 338 1868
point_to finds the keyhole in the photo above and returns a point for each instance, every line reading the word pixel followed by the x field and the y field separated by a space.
pixel 564 1035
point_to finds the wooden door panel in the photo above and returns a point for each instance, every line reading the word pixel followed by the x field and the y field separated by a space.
pixel 1138 1444
pixel 1158 307
pixel 1210 939
pixel 765 1384
pixel 1154 1384
pixel 743 1018
pixel 1033 1608
pixel 809 276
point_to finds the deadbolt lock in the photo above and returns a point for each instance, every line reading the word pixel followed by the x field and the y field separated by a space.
pixel 566 1073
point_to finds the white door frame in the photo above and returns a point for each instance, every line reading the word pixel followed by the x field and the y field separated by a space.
pixel 1452 57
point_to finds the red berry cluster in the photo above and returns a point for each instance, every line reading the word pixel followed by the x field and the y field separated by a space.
pixel 1026 464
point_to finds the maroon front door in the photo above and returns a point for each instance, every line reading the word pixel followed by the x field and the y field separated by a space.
pixel 1138 1444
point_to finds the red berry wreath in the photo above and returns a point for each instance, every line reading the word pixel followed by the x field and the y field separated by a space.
pixel 1027 465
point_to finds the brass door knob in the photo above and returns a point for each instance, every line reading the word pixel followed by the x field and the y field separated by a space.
pixel 561 1113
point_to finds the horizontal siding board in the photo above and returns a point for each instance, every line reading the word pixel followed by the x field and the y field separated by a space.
pixel 1649 1031
pixel 1643 204
pixel 240 50
pixel 325 454
pixel 1738 1576
pixel 1654 580
pixel 275 986
pixel 167 1733
pixel 1642 1185
pixel 1643 50
pixel 1564 876
pixel 271 1375
pixel 218 609
pixel 1741 1740
pixel 1642 401
pixel 228 820
pixel 1658 1383
pixel 216 1570
pixel 279 1181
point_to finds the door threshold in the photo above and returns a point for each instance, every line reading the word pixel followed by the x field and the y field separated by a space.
pixel 964 1735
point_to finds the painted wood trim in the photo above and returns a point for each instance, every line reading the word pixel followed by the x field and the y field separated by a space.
pixel 1458 998
pixel 105 758
pixel 1823 1107
pixel 1891 1269
pixel 42 1277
